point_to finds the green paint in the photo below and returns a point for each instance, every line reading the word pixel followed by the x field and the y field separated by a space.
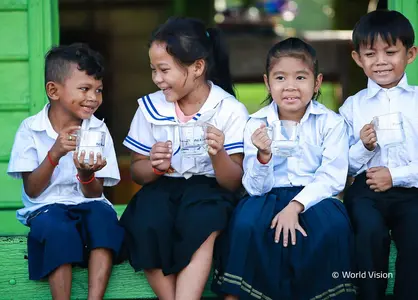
pixel 27 30
pixel 410 9
pixel 14 282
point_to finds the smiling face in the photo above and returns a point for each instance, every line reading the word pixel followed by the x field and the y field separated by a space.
pixel 79 96
pixel 292 84
pixel 175 80
pixel 384 63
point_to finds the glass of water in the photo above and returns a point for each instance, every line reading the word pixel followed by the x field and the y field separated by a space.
pixel 90 141
pixel 389 129
pixel 193 139
pixel 285 138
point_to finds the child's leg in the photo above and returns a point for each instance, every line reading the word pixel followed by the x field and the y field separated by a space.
pixel 192 279
pixel 404 233
pixel 60 282
pixel 100 268
pixel 163 286
pixel 372 242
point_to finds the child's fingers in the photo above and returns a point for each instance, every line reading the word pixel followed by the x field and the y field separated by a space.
pixel 285 235
pixel 155 163
pixel 301 230
pixel 75 159
pixel 212 151
pixel 292 235
pixel 263 125
pixel 274 221
pixel 91 159
pixel 279 228
pixel 157 156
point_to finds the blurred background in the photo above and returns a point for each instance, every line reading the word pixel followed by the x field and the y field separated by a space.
pixel 120 29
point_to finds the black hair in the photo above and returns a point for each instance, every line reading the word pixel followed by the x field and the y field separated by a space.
pixel 390 25
pixel 188 40
pixel 59 59
pixel 296 48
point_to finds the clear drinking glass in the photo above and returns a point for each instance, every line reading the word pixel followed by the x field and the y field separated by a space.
pixel 193 139
pixel 389 129
pixel 285 138
pixel 90 141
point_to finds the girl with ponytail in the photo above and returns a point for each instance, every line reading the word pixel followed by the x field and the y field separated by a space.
pixel 185 202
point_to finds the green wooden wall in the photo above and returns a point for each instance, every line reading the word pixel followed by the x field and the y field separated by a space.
pixel 410 9
pixel 27 29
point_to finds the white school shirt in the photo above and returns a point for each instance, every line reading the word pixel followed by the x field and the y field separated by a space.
pixel 359 110
pixel 33 140
pixel 156 121
pixel 321 166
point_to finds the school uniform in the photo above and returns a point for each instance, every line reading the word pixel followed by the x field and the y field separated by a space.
pixel 255 266
pixel 169 219
pixel 373 214
pixel 64 224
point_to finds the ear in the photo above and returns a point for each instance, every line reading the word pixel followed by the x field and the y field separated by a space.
pixel 266 82
pixel 411 54
pixel 199 67
pixel 356 57
pixel 52 90
pixel 318 82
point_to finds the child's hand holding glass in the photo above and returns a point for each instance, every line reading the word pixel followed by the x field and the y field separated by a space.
pixel 215 140
pixel 160 156
pixel 88 163
pixel 65 142
pixel 262 142
pixel 368 137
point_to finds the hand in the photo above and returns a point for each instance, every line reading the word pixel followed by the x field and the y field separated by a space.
pixel 262 142
pixel 86 170
pixel 215 139
pixel 379 179
pixel 368 137
pixel 288 221
pixel 160 156
pixel 65 142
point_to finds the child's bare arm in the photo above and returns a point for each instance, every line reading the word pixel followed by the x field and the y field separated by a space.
pixel 228 169
pixel 36 182
pixel 91 186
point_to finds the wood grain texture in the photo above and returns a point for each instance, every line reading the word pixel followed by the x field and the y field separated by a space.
pixel 15 285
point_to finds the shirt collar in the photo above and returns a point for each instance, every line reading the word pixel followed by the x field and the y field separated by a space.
pixel 373 88
pixel 270 112
pixel 41 122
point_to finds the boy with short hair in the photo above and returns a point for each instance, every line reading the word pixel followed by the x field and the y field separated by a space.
pixel 384 195
pixel 70 220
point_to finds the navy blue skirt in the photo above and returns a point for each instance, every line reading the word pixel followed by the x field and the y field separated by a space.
pixel 65 234
pixel 251 265
pixel 169 219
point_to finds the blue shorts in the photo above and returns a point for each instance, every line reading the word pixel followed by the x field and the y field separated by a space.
pixel 65 234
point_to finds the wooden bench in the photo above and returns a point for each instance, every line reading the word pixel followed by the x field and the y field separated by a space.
pixel 124 283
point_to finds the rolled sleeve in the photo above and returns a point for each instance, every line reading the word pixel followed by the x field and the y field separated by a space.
pixel 405 176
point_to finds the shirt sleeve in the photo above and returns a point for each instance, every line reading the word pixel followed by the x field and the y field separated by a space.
pixel 140 138
pixel 234 130
pixel 110 173
pixel 358 155
pixel 24 156
pixel 258 178
pixel 330 177
pixel 405 176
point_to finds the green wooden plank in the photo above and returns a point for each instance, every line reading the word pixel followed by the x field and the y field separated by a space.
pixel 16 107
pixel 9 122
pixel 13 34
pixel 10 196
pixel 14 83
pixel 9 225
pixel 14 283
pixel 13 58
pixel 410 9
pixel 13 5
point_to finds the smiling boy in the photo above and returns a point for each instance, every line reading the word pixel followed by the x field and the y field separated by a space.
pixel 384 195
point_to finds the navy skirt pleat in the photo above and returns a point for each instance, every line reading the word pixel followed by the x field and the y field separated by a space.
pixel 249 264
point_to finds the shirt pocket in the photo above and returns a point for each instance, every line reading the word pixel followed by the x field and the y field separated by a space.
pixel 310 157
